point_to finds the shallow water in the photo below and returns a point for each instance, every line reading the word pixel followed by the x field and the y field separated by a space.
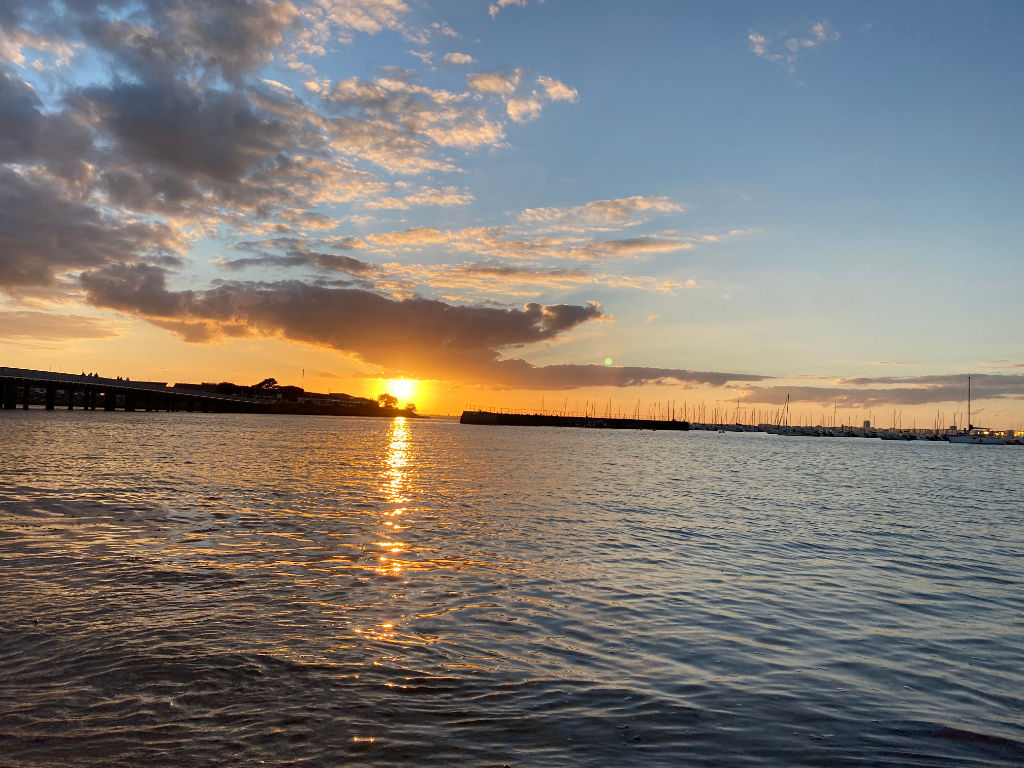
pixel 207 590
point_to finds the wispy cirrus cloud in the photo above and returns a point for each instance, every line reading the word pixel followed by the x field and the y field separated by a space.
pixel 480 279
pixel 444 197
pixel 785 50
pixel 35 324
pixel 601 215
pixel 504 280
pixel 1003 363
pixel 499 242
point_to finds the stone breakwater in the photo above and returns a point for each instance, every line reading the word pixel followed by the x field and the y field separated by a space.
pixel 550 420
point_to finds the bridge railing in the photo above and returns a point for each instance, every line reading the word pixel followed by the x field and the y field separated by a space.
pixel 77 379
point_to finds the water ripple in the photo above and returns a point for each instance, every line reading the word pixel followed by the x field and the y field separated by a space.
pixel 208 590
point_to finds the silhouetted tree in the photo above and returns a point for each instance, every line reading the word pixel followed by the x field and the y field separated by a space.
pixel 290 393
pixel 227 388
pixel 410 407
pixel 266 388
pixel 387 401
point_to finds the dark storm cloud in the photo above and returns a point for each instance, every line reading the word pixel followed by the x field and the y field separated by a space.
pixel 43 233
pixel 915 390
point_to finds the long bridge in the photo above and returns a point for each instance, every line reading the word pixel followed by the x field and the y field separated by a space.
pixel 21 386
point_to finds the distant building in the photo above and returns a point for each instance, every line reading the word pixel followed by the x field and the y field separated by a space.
pixel 867 424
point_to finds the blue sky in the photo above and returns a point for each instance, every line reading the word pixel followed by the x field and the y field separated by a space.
pixel 728 200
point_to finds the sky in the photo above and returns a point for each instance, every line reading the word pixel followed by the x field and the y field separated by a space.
pixel 661 206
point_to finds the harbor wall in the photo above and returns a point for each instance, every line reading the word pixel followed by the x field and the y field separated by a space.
pixel 549 420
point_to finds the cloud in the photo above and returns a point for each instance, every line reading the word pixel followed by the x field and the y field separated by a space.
pixel 423 337
pixel 497 279
pixel 445 197
pixel 522 109
pixel 327 21
pixel 425 57
pixel 16 41
pixel 45 232
pixel 182 137
pixel 521 374
pixel 863 392
pixel 33 324
pixel 412 237
pixel 400 125
pixel 499 242
pixel 496 6
pixel 298 254
pixel 28 134
pixel 418 337
pixel 495 83
pixel 792 48
pixel 163 40
pixel 602 214
pixel 521 105
pixel 458 59
pixel 170 128
pixel 211 137
pixel 556 90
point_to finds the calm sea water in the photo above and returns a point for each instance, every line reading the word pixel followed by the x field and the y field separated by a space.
pixel 220 590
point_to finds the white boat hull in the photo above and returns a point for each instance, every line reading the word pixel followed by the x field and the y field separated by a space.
pixel 981 440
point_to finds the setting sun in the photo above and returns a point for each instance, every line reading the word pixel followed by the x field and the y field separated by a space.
pixel 403 389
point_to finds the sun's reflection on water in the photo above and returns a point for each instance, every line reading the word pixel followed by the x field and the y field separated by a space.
pixel 395 485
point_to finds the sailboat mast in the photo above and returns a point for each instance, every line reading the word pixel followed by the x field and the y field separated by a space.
pixel 969 425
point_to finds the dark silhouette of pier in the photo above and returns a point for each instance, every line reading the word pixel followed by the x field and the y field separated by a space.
pixel 25 387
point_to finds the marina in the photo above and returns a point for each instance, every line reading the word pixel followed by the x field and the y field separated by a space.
pixel 510 418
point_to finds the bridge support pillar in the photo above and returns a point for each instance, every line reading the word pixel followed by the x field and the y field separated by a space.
pixel 26 391
pixel 10 394
pixel 70 391
pixel 51 396
pixel 109 400
pixel 129 400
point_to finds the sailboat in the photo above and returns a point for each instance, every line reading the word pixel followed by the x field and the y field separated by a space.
pixel 979 435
